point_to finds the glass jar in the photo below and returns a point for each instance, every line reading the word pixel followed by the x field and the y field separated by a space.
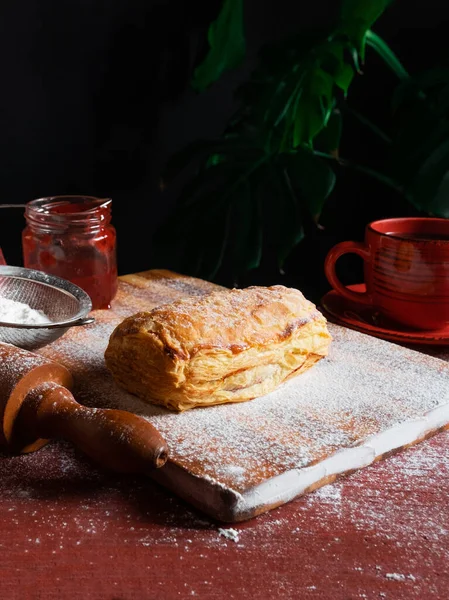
pixel 72 237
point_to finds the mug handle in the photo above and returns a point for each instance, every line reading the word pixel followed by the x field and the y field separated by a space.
pixel 329 269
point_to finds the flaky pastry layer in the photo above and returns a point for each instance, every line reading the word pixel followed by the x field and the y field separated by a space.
pixel 229 346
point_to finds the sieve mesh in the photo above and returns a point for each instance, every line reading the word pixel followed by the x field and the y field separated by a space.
pixel 64 303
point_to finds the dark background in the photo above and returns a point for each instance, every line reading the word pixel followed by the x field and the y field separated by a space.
pixel 95 96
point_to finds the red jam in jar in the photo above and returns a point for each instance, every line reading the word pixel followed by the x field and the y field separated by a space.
pixel 72 237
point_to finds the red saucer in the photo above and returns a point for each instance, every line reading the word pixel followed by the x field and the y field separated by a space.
pixel 367 319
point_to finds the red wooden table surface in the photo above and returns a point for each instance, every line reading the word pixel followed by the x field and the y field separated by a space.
pixel 70 531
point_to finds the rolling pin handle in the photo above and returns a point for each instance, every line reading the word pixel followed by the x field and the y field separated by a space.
pixel 116 439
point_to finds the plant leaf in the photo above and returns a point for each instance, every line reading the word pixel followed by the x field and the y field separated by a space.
pixel 311 179
pixel 228 148
pixel 206 182
pixel 292 231
pixel 369 125
pixel 283 98
pixel 344 77
pixel 220 214
pixel 419 131
pixel 431 85
pixel 181 159
pixel 227 45
pixel 387 54
pixel 357 16
pixel 328 140
pixel 196 237
pixel 439 205
pixel 335 51
pixel 214 241
pixel 314 107
pixel 247 231
pixel 283 215
pixel 429 188
pixel 193 239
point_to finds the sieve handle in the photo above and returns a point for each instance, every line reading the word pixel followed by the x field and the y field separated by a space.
pixel 77 323
pixel 80 322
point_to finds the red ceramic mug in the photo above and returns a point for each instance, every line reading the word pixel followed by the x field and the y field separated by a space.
pixel 406 270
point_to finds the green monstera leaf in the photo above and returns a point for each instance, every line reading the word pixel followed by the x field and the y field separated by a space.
pixel 258 188
pixel 357 16
pixel 227 45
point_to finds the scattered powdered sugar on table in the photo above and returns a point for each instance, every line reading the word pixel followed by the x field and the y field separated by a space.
pixel 396 576
pixel 338 507
pixel 391 510
pixel 329 493
pixel 364 387
pixel 20 313
pixel 230 534
pixel 386 500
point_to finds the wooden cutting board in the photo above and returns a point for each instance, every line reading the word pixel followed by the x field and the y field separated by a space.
pixel 366 400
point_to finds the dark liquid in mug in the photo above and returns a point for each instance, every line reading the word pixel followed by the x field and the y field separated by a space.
pixel 421 236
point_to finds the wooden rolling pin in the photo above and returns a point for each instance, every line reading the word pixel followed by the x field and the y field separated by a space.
pixel 36 406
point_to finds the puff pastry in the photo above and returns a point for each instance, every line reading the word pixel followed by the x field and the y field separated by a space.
pixel 229 346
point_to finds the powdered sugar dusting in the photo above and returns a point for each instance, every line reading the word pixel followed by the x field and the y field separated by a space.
pixel 343 537
pixel 230 534
pixel 389 518
pixel 16 363
pixel 364 387
pixel 399 577
pixel 421 467
pixel 12 311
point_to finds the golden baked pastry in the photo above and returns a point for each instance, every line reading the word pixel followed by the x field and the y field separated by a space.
pixel 229 346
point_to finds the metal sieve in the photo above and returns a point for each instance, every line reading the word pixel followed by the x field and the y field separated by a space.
pixel 65 304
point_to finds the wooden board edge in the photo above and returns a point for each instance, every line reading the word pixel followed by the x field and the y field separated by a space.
pixel 207 495
pixel 329 479
pixel 229 506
